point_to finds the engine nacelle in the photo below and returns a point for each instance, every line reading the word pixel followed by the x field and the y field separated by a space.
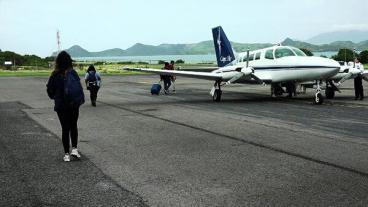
pixel 247 71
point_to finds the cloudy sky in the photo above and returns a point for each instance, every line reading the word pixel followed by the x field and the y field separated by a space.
pixel 29 26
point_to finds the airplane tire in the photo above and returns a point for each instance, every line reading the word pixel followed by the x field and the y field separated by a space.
pixel 217 95
pixel 318 99
pixel 330 93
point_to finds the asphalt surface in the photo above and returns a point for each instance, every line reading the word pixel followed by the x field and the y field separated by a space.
pixel 32 172
pixel 185 150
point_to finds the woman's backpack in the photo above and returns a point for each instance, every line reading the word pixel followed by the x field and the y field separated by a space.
pixel 73 89
pixel 92 80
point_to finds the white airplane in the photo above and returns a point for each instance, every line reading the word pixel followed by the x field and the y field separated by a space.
pixel 277 65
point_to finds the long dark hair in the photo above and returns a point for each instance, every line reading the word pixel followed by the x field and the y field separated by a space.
pixel 91 68
pixel 63 62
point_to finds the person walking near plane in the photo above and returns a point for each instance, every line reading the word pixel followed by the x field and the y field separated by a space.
pixel 93 83
pixel 65 88
pixel 358 85
pixel 173 77
pixel 166 78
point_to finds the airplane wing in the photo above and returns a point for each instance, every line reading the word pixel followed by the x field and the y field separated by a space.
pixel 192 74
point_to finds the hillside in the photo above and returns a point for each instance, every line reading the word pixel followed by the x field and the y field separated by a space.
pixel 334 46
pixel 206 47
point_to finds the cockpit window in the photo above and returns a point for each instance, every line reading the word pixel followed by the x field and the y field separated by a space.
pixel 283 52
pixel 298 52
pixel 269 54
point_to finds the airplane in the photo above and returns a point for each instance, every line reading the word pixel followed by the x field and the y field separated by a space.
pixel 277 65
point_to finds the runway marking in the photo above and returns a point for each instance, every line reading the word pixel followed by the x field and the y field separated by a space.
pixel 365 174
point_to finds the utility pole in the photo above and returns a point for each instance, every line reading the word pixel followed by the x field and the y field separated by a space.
pixel 58 41
pixel 354 56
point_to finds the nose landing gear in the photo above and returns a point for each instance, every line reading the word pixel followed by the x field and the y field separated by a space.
pixel 318 97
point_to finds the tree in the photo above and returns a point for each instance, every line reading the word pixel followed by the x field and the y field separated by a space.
pixel 363 57
pixel 180 61
pixel 345 55
pixel 306 51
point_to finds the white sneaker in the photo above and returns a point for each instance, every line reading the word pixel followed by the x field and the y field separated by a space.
pixel 75 153
pixel 66 157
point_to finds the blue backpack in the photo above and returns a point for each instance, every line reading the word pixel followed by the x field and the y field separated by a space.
pixel 73 89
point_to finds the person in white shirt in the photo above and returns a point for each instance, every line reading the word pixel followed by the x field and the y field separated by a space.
pixel 93 83
pixel 358 85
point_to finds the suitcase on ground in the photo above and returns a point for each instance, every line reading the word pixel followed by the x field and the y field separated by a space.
pixel 156 88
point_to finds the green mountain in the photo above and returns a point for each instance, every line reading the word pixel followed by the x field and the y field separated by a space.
pixel 206 47
pixel 334 46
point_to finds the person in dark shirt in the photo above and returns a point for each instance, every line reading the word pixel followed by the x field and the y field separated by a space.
pixel 358 81
pixel 67 114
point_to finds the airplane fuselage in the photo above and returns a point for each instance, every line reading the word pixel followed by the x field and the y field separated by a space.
pixel 281 64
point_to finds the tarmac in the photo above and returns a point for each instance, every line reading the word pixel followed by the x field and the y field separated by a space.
pixel 183 149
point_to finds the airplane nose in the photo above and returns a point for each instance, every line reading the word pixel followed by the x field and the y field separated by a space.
pixel 332 66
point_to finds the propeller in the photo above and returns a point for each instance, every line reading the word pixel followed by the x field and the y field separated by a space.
pixel 242 73
pixel 352 72
pixel 247 71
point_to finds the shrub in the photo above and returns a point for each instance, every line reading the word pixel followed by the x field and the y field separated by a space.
pixel 180 61
pixel 363 57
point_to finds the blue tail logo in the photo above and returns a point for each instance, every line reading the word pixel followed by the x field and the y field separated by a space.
pixel 224 51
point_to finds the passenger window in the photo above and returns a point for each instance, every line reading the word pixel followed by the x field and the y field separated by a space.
pixel 269 54
pixel 258 56
pixel 283 52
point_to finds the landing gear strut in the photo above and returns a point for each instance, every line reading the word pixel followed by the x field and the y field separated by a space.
pixel 276 90
pixel 318 98
pixel 216 92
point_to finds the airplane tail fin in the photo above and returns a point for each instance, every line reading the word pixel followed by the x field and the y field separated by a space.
pixel 224 51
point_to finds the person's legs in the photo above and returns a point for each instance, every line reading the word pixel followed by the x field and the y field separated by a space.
pixel 94 96
pixel 361 91
pixel 74 114
pixel 356 88
pixel 65 126
pixel 91 94
pixel 166 83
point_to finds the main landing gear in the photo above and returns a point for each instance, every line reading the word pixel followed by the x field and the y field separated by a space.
pixel 216 91
pixel 330 89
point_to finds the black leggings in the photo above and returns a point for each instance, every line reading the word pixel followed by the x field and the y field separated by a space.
pixel 93 94
pixel 68 119
pixel 358 86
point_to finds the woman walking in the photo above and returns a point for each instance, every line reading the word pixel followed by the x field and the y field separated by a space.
pixel 65 89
